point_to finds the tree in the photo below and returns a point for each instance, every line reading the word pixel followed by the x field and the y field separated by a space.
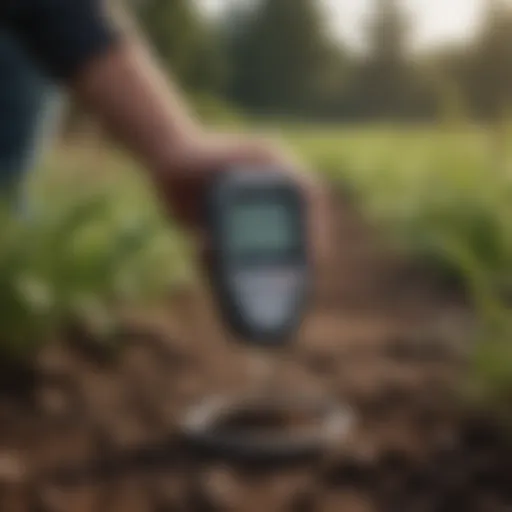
pixel 184 41
pixel 490 68
pixel 447 70
pixel 490 76
pixel 278 49
pixel 386 83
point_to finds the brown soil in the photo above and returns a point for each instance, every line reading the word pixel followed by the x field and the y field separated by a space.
pixel 82 432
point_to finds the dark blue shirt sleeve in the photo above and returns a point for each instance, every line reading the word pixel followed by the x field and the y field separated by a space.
pixel 64 35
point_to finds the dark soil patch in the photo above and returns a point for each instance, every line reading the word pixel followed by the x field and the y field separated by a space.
pixel 81 432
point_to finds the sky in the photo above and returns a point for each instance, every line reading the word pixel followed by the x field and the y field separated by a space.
pixel 435 21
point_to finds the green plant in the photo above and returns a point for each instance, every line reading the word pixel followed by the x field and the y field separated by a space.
pixel 79 263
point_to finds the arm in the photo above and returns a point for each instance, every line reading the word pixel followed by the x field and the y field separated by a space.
pixel 106 64
pixel 136 103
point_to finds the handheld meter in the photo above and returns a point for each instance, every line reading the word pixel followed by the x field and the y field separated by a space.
pixel 260 265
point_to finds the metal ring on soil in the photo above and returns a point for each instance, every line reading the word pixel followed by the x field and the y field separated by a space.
pixel 200 428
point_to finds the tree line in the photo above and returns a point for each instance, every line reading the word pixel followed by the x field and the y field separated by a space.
pixel 277 58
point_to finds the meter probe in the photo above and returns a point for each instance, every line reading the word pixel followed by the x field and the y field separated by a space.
pixel 260 274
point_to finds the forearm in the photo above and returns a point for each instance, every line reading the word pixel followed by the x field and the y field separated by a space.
pixel 94 48
pixel 135 101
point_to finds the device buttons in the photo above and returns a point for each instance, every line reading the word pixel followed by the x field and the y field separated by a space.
pixel 266 297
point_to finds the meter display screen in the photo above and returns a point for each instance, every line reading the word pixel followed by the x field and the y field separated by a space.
pixel 259 265
pixel 260 228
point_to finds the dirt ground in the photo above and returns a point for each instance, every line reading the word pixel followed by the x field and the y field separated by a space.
pixel 83 433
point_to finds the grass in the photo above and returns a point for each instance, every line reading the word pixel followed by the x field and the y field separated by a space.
pixel 91 243
pixel 444 197
pixel 95 239
pixel 425 187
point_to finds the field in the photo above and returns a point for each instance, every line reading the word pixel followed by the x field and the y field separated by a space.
pixel 109 337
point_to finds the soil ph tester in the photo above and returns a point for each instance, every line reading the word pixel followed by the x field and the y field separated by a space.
pixel 261 280
pixel 260 265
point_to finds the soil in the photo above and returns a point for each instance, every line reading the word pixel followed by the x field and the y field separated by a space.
pixel 83 432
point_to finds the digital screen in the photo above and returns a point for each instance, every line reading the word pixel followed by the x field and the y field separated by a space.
pixel 260 228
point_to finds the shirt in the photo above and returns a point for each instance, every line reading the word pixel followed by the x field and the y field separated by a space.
pixel 42 43
pixel 61 35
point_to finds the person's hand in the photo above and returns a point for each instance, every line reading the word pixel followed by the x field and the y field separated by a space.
pixel 184 180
